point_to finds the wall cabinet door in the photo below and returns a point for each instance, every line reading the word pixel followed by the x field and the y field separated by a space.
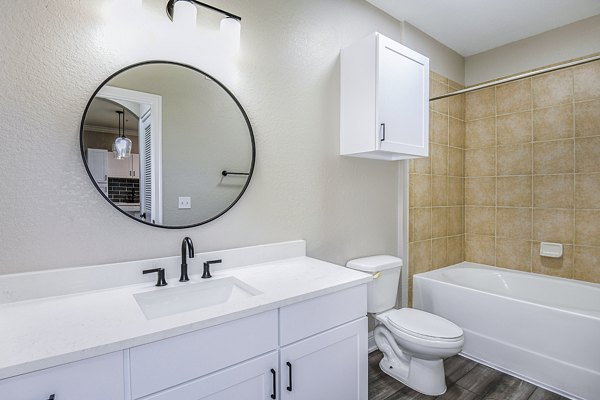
pixel 256 379
pixel 97 163
pixel 135 166
pixel 98 378
pixel 128 168
pixel 384 101
pixel 328 366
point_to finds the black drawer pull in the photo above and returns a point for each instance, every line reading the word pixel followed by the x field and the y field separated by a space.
pixel 51 397
pixel 289 388
pixel 274 394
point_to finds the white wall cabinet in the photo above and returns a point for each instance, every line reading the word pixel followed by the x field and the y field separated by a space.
pixel 384 101
pixel 128 168
pixel 98 378
pixel 331 365
pixel 97 163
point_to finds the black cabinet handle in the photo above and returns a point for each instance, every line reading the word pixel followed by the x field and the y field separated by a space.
pixel 51 397
pixel 274 394
pixel 383 132
pixel 289 388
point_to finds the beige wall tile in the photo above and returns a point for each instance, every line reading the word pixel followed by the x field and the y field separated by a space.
pixel 420 256
pixel 587 154
pixel 513 97
pixel 587 81
pixel 515 191
pixel 562 267
pixel 456 191
pixel 513 254
pixel 421 165
pixel 587 227
pixel 514 223
pixel 457 106
pixel 480 104
pixel 439 222
pixel 480 249
pixel 439 159
pixel 550 225
pixel 455 249
pixel 587 118
pixel 457 133
pixel 553 191
pixel 587 191
pixel 438 128
pixel 480 191
pixel 421 223
pixel 454 86
pixel 587 264
pixel 437 89
pixel 439 190
pixel 456 162
pixel 555 157
pixel 514 128
pixel 439 253
pixel 480 162
pixel 480 220
pixel 455 221
pixel 514 159
pixel 552 88
pixel 437 77
pixel 553 123
pixel 419 190
pixel 480 133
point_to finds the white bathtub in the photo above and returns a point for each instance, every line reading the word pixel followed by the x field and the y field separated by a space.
pixel 542 329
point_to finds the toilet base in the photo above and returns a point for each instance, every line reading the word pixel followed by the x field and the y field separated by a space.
pixel 424 376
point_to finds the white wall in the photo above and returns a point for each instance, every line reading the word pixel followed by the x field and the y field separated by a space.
pixel 55 54
pixel 571 41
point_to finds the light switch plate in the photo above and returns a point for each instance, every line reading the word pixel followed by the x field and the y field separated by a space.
pixel 185 203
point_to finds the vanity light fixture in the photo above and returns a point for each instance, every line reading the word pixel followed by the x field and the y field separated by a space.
pixel 184 13
pixel 122 146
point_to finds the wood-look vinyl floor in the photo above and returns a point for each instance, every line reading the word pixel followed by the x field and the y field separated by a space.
pixel 466 380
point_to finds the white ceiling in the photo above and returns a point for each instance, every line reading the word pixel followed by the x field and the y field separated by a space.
pixel 472 26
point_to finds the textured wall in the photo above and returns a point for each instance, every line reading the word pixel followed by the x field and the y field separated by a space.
pixel 533 173
pixel 56 52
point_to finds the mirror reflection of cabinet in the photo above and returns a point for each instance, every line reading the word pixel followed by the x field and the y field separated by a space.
pixel 128 168
pixel 97 160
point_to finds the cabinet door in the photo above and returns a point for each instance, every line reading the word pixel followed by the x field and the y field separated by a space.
pixel 252 380
pixel 329 366
pixel 402 99
pixel 96 161
pixel 98 378
pixel 135 166
pixel 119 168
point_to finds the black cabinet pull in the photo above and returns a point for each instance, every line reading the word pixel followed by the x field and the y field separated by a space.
pixel 289 388
pixel 274 394
pixel 51 397
pixel 383 132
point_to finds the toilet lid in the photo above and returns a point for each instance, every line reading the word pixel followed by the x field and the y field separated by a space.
pixel 421 323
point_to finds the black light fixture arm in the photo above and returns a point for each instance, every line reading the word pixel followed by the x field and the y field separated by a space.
pixel 171 7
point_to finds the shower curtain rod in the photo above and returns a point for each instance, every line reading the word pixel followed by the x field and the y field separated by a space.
pixel 517 77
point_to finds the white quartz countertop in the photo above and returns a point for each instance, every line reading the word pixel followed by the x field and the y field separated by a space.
pixel 45 332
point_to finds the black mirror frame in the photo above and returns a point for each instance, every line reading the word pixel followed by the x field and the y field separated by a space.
pixel 85 164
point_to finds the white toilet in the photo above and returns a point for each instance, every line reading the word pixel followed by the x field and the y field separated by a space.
pixel 413 342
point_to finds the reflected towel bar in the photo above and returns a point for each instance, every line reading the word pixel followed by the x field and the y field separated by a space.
pixel 227 173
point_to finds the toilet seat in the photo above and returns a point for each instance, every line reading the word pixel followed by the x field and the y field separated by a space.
pixel 423 325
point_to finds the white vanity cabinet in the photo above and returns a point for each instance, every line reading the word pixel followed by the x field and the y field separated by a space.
pixel 384 100
pixel 98 378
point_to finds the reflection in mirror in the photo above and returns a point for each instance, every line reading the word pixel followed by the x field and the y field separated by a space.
pixel 186 130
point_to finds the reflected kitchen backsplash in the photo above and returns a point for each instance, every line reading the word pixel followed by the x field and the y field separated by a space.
pixel 122 190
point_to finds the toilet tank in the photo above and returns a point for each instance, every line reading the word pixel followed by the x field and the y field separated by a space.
pixel 383 290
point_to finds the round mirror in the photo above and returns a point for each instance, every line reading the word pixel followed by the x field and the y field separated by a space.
pixel 167 144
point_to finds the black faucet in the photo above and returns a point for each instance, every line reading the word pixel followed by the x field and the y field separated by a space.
pixel 206 274
pixel 187 242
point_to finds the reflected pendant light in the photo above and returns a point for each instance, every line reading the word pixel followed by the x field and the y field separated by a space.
pixel 122 145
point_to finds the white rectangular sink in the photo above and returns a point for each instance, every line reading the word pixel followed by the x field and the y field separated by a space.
pixel 191 296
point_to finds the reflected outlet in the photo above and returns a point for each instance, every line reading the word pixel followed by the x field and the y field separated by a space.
pixel 185 202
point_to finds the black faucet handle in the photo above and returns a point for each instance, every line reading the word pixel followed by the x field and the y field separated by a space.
pixel 206 274
pixel 161 281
